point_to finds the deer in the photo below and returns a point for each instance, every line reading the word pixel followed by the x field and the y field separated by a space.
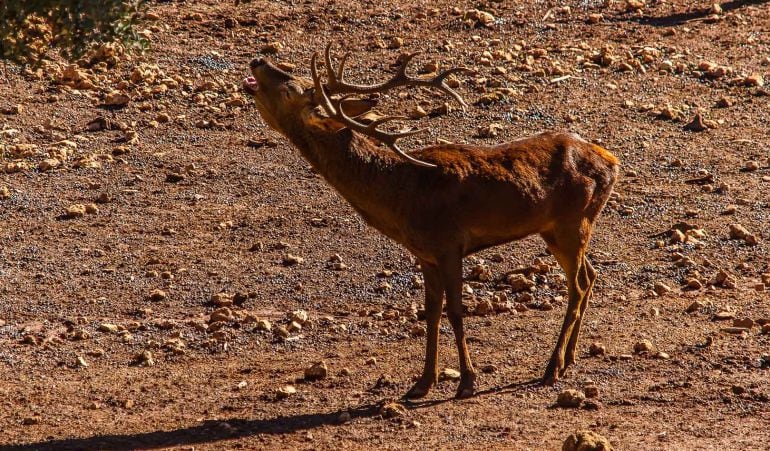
pixel 444 202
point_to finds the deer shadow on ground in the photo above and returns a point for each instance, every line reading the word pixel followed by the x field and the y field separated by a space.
pixel 675 19
pixel 230 429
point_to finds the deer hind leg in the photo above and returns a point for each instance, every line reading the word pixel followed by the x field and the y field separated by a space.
pixel 568 246
pixel 434 300
pixel 588 277
pixel 451 271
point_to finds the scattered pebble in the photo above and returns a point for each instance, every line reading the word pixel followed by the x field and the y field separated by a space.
pixel 317 371
pixel 586 441
pixel 570 398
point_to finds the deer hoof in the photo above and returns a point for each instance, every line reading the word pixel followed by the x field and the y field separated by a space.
pixel 467 387
pixel 418 390
pixel 464 392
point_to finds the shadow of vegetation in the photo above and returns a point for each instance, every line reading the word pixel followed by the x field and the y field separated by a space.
pixel 681 18
pixel 213 431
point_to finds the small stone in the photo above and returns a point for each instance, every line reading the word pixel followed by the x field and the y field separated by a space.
pixel 754 80
pixel 597 349
pixel 591 391
pixel 344 418
pixel 519 282
pixel 449 374
pixel 116 98
pixel 222 299
pixel 5 193
pixel 285 391
pixel 570 398
pixel 586 441
pixel 418 330
pixel 723 315
pixel 392 410
pixel 371 361
pixel 644 347
pixel 145 358
pixel 317 371
pixel 174 177
pixel 300 316
pixel 264 325
pixel 291 260
pixel 158 295
pixel 484 307
pixel 395 42
pixel 695 306
pixel 75 211
pixel 109 328
pixel 271 48
pixel 751 166
pixel 661 288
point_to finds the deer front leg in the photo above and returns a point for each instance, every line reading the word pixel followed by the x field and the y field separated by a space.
pixel 434 300
pixel 452 275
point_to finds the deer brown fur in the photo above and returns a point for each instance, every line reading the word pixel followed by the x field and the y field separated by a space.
pixel 551 184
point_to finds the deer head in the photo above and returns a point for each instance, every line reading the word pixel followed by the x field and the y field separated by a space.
pixel 288 103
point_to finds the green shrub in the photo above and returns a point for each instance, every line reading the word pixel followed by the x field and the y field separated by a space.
pixel 29 29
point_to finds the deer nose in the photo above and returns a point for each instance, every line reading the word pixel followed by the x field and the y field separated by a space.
pixel 255 63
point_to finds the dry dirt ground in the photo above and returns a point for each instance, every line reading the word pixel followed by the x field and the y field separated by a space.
pixel 194 196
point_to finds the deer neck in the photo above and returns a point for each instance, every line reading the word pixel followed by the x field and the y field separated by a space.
pixel 355 167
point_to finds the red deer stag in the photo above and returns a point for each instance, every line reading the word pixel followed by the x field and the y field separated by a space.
pixel 446 201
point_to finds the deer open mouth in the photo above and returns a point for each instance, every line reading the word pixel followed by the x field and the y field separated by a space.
pixel 250 85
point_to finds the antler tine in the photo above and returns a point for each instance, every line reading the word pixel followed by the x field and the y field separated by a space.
pixel 337 85
pixel 326 104
pixel 329 69
pixel 334 109
pixel 387 137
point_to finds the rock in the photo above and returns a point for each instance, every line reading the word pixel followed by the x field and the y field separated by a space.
pixel 395 42
pixel 644 347
pixel 484 307
pixel 695 306
pixel 418 330
pixel 109 328
pixel 271 48
pixel 449 374
pixel 597 349
pixel 116 98
pixel 591 391
pixel 157 295
pixel 299 316
pixel 723 315
pixel 75 211
pixel 222 299
pixel 223 314
pixel 317 371
pixel 586 441
pixel 392 410
pixel 739 232
pixel 285 391
pixel 145 358
pixel 344 418
pixel 661 288
pixel 174 177
pixel 519 282
pixel 5 193
pixel 699 124
pixel 291 260
pixel 570 398
pixel 754 80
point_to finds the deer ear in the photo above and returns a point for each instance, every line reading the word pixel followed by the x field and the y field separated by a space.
pixel 314 118
pixel 357 107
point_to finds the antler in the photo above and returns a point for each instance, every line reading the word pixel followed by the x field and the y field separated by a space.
pixel 334 109
pixel 337 84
